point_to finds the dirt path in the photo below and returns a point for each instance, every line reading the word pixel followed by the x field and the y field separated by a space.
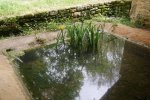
pixel 10 86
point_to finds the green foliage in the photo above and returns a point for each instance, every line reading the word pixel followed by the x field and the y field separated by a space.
pixel 61 36
pixel 41 27
pixel 52 26
pixel 84 36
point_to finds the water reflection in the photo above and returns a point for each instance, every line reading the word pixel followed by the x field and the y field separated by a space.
pixel 65 74
pixel 134 83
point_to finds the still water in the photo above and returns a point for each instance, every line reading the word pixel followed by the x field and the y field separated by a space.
pixel 134 81
pixel 66 74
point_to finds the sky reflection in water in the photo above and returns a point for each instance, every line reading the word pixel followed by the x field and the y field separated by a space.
pixel 65 74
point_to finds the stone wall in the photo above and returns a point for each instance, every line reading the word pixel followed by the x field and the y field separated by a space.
pixel 140 12
pixel 115 8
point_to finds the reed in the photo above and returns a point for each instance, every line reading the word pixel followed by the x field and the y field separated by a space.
pixel 84 37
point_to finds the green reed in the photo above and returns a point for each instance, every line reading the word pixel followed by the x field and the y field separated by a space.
pixel 84 36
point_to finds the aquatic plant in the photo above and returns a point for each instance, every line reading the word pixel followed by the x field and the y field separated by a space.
pixel 61 36
pixel 84 36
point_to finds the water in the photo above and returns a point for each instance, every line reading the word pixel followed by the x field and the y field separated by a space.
pixel 134 83
pixel 65 74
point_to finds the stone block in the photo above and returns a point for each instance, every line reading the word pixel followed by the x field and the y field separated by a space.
pixel 140 12
pixel 72 10
pixel 53 12
pixel 77 14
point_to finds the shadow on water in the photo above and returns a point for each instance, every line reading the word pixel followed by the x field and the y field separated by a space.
pixel 65 74
pixel 134 83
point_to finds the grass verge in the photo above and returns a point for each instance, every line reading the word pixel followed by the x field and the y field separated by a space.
pixel 10 8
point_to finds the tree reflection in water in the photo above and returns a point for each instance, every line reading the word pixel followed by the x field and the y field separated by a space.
pixel 66 74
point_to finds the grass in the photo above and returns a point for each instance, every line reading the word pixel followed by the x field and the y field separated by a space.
pixel 114 20
pixel 20 7
pixel 44 27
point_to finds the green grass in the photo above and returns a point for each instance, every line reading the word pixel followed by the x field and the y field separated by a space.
pixel 21 7
pixel 114 20
pixel 44 27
